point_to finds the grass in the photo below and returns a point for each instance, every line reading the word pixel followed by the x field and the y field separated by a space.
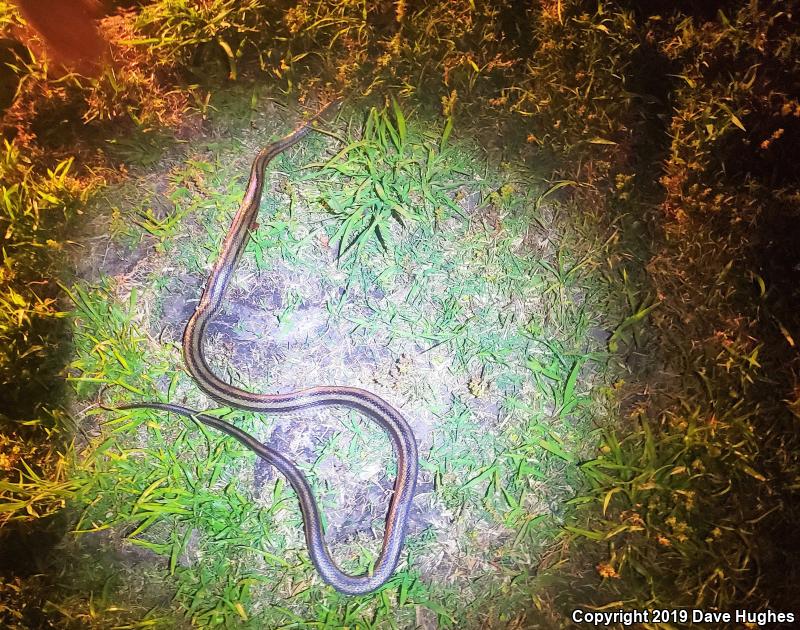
pixel 457 349
pixel 180 31
pixel 598 357
pixel 380 170
pixel 35 208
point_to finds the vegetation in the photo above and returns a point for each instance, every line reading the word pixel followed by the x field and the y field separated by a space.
pixel 562 237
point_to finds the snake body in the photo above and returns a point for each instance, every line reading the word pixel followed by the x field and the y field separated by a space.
pixel 371 405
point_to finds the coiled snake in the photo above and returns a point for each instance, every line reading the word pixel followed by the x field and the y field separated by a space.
pixel 371 405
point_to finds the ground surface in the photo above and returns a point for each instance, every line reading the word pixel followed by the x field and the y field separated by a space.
pixel 478 321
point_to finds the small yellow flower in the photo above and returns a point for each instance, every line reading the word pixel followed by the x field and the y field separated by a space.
pixel 476 386
pixel 295 18
pixel 449 104
pixel 404 364
pixel 607 571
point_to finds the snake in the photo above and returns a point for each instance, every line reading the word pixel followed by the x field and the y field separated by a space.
pixel 369 404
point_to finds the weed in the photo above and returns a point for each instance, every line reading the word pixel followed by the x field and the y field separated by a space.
pixel 178 29
pixel 389 177
pixel 35 209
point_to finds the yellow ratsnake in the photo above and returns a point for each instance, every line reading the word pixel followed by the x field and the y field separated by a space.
pixel 371 405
